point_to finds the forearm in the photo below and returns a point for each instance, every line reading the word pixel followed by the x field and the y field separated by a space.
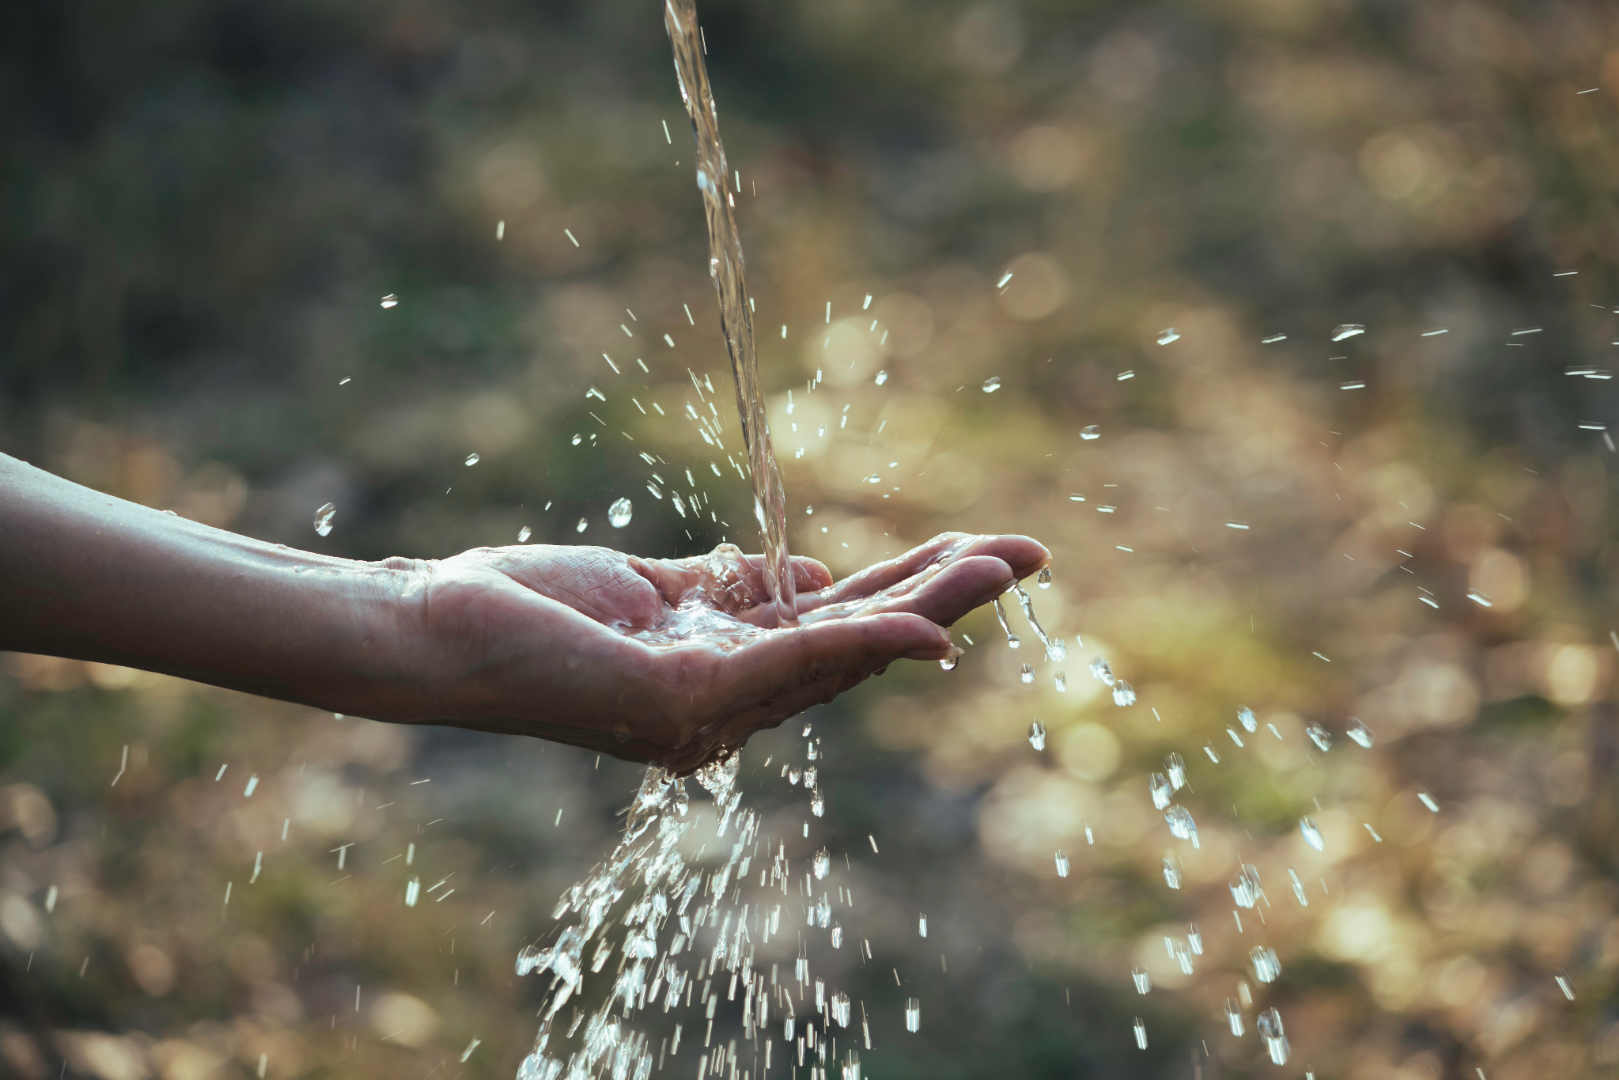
pixel 92 577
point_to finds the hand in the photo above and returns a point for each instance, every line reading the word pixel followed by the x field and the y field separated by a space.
pixel 671 661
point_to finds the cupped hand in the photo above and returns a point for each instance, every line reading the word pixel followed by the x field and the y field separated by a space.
pixel 674 661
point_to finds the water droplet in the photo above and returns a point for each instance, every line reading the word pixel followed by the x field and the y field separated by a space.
pixel 793 775
pixel 949 663
pixel 1233 1015
pixel 1043 579
pixel 818 804
pixel 992 384
pixel 1214 756
pixel 323 519
pixel 1311 833
pixel 1142 980
pixel 1428 800
pixel 1234 736
pixel 1358 731
pixel 1266 966
pixel 618 515
pixel 1194 938
pixel 583 524
pixel 922 926
pixel 1175 768
pixel 1181 825
pixel 1026 673
pixel 1270 1029
pixel 1565 985
pixel 577 439
pixel 1162 790
pixel 1101 672
pixel 1037 735
pixel 1062 683
pixel 1013 641
pixel 1123 693
pixel 1320 736
pixel 1347 330
pixel 1089 432
pixel 882 377
pixel 1249 722
pixel 822 864
pixel 473 459
pixel 390 301
pixel 913 1015
pixel 1056 650
pixel 1245 887
pixel 837 937
pixel 1166 336
pixel 1480 599
pixel 1172 872
pixel 1141 1033
pixel 523 534
pixel 1062 864
pixel 1298 887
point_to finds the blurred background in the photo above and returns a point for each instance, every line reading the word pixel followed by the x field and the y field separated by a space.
pixel 206 201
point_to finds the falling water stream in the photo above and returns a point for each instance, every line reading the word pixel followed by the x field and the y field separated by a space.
pixel 726 268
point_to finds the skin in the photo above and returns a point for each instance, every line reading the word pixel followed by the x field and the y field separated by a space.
pixel 559 643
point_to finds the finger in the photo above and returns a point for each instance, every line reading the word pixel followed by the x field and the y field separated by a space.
pixel 778 663
pixel 890 572
pixel 1020 554
pixel 946 596
pixel 809 575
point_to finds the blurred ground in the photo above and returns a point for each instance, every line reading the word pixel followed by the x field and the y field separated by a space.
pixel 205 201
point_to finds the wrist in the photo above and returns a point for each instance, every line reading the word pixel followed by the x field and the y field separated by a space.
pixel 390 669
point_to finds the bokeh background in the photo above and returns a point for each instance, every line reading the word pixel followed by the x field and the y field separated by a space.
pixel 205 201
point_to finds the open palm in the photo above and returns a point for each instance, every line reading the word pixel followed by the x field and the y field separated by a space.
pixel 678 661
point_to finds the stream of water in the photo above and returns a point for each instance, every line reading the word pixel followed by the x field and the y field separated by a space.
pixel 726 268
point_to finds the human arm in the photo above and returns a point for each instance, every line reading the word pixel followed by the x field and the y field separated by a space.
pixel 538 640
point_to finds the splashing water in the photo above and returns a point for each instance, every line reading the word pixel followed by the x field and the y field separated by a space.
pixel 1359 732
pixel 1320 736
pixel 1172 870
pixel 1181 825
pixel 1233 1015
pixel 323 519
pixel 650 899
pixel 1266 967
pixel 1311 833
pixel 1012 640
pixel 1270 1029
